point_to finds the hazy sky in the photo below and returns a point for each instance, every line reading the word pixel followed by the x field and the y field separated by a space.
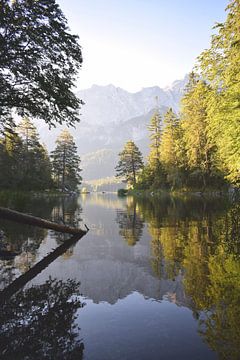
pixel 140 43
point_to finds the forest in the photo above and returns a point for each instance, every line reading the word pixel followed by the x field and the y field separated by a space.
pixel 36 82
pixel 200 147
pixel 156 276
pixel 26 165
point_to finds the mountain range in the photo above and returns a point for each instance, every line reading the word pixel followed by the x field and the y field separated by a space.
pixel 109 118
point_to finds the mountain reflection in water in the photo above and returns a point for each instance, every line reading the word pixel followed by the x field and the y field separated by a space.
pixel 160 276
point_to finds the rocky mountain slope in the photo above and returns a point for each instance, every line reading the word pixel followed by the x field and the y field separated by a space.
pixel 110 117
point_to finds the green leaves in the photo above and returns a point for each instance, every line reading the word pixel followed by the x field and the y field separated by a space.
pixel 39 61
pixel 220 67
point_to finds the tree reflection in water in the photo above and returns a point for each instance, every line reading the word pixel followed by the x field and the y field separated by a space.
pixel 201 240
pixel 220 325
pixel 196 238
pixel 39 322
pixel 25 240
pixel 20 237
pixel 67 211
pixel 130 223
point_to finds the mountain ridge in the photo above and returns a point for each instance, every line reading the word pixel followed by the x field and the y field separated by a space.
pixel 110 117
pixel 116 104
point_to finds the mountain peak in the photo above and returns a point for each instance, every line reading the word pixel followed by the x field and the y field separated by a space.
pixel 105 104
pixel 178 84
pixel 112 115
pixel 101 87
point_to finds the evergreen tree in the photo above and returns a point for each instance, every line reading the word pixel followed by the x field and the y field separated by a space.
pixel 10 159
pixel 199 148
pixel 35 164
pixel 220 67
pixel 153 172
pixel 172 150
pixel 28 133
pixel 130 163
pixel 155 129
pixel 66 162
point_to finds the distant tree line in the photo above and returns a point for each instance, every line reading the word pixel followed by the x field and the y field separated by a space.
pixel 200 147
pixel 26 165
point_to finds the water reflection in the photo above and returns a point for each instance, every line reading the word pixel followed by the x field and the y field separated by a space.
pixel 204 246
pixel 39 322
pixel 67 211
pixel 21 237
pixel 21 242
pixel 130 222
pixel 220 325
pixel 195 249
pixel 185 254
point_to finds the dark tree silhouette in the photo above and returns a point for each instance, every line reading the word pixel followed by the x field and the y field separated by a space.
pixel 38 323
pixel 39 61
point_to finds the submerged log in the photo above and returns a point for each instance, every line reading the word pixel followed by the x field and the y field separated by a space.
pixel 19 217
pixel 22 280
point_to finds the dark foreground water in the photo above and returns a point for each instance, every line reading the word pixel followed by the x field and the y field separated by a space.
pixel 152 279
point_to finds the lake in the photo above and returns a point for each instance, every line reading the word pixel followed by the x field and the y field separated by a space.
pixel 154 278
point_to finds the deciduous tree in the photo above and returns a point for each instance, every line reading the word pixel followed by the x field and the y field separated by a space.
pixel 39 61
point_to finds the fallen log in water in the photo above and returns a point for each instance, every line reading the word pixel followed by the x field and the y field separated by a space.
pixel 22 280
pixel 19 217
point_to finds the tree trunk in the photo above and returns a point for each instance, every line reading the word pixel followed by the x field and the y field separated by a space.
pixel 64 165
pixel 13 215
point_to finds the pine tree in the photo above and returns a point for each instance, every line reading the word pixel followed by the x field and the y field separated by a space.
pixel 28 133
pixel 220 67
pixel 155 129
pixel 35 164
pixel 153 172
pixel 10 159
pixel 66 162
pixel 172 150
pixel 194 121
pixel 130 163
pixel 168 153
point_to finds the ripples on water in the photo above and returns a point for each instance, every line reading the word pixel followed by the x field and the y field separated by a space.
pixel 153 279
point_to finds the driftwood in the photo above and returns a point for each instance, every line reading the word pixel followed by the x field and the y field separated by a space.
pixel 22 280
pixel 13 215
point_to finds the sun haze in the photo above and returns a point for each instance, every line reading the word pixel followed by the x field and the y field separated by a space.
pixel 140 43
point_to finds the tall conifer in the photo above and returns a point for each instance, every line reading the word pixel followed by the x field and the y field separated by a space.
pixel 66 162
pixel 130 162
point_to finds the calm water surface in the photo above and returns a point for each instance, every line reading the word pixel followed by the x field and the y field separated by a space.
pixel 152 279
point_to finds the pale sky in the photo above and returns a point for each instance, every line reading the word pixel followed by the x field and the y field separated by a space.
pixel 139 43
